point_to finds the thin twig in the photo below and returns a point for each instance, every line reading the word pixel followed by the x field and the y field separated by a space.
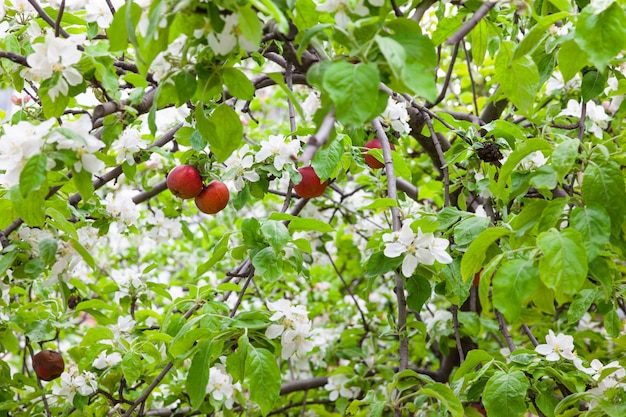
pixel 446 81
pixel 470 23
pixel 366 326
pixel 505 331
pixel 442 160
pixel 530 335
pixel 242 293
pixel 42 13
pixel 111 8
pixel 57 24
pixel 469 71
pixel 581 121
pixel 396 9
pixel 457 334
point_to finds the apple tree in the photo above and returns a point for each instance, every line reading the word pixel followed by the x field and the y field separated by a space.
pixel 312 208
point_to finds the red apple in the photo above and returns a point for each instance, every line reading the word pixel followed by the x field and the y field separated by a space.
pixel 213 198
pixel 184 181
pixel 48 365
pixel 370 159
pixel 310 186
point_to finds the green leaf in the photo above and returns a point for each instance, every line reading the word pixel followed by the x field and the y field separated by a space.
pixel 378 264
pixel 250 25
pixel 564 156
pixel 419 292
pixel 523 150
pixel 30 209
pixel 466 230
pixel 551 215
pixel 58 220
pixel 40 330
pixel 505 394
pixel 601 35
pixel 518 76
pixel 479 37
pixel 198 375
pixel 604 185
pixel 84 253
pixel 571 59
pixel 268 264
pixel 327 159
pixel 594 225
pixel 237 83
pixel 380 203
pixel 227 132
pixel 581 304
pixel 513 284
pixel 612 323
pixel 185 86
pixel 563 266
pixel 117 33
pixel 593 84
pixel 474 358
pixel 354 90
pixel 82 181
pixel 48 250
pixel 131 367
pixel 263 377
pixel 474 257
pixel 33 174
pixel 446 396
pixel 276 234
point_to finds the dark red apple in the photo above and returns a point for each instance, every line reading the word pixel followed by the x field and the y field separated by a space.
pixel 370 159
pixel 310 186
pixel 213 198
pixel 48 365
pixel 184 181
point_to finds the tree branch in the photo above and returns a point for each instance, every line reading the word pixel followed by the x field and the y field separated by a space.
pixel 470 23
pixel 17 58
pixel 319 139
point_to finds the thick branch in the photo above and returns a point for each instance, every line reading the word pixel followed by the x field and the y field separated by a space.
pixel 17 58
pixel 319 139
pixel 470 23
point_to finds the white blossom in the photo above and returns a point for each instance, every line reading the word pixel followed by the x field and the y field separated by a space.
pixel 337 387
pixel 121 206
pixel 224 42
pixel 73 382
pixel 294 327
pixel 127 145
pixel 104 361
pixel 54 55
pixel 221 386
pixel 84 144
pixel 284 151
pixel 396 116
pixel 340 9
pixel 295 340
pixel 238 167
pixel 595 114
pixel 98 11
pixel 557 346
pixel 420 248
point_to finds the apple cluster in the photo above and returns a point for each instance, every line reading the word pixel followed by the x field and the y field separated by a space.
pixel 185 182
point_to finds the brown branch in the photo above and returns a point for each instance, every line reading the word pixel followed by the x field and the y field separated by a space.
pixel 446 81
pixel 581 121
pixel 505 331
pixel 442 160
pixel 17 58
pixel 319 139
pixel 147 195
pixel 57 24
pixel 42 13
pixel 470 23
pixel 302 385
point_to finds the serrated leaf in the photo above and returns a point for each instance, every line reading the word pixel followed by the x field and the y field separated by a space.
pixel 474 358
pixel 380 203
pixel 563 266
pixel 354 89
pixel 564 156
pixel 593 84
pixel 601 35
pixel 446 396
pixel 505 394
pixel 469 228
pixel 219 250
pixel 594 225
pixel 604 185
pixel 581 304
pixel 571 59
pixel 263 376
pixel 513 284
pixel 327 159
pixel 268 264
pixel 226 133
pixel 419 292
pixel 378 264
pixel 518 76
pixel 131 367
pixel 276 234
pixel 303 223
pixel 48 250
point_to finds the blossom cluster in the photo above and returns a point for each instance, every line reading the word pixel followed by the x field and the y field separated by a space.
pixel 293 326
pixel 562 346
pixel 74 382
pixel 221 386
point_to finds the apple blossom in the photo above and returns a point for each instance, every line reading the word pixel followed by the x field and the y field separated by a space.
pixel 420 248
pixel 74 382
pixel 283 150
pixel 340 9
pixel 104 361
pixel 238 168
pixel 75 135
pixel 127 145
pixel 396 116
pixel 221 386
pixel 595 113
pixel 224 42
pixel 295 340
pixel 557 346
pixel 337 387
